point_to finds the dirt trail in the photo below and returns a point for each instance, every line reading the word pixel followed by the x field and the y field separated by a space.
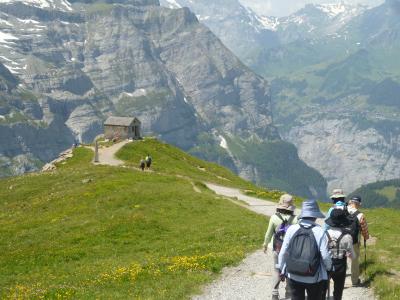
pixel 251 279
pixel 107 154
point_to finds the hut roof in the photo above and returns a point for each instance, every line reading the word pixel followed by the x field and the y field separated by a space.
pixel 120 121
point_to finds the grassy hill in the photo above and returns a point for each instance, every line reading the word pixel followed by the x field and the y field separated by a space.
pixel 103 232
pixel 380 194
pixel 85 231
pixel 383 258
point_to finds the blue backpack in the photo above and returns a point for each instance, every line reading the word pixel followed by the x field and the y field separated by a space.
pixel 280 232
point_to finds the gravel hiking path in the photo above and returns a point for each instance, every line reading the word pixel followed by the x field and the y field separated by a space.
pixel 107 154
pixel 251 279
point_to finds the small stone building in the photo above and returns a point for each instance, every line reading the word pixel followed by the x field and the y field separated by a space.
pixel 122 128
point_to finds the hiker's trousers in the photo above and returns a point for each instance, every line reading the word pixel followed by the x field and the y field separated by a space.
pixel 355 264
pixel 276 278
pixel 315 291
pixel 338 284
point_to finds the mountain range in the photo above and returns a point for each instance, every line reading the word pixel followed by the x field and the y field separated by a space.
pixel 334 73
pixel 66 66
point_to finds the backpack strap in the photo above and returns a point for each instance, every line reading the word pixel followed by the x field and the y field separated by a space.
pixel 328 235
pixel 290 220
pixel 280 216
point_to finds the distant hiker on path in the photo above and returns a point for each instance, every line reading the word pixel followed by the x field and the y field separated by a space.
pixel 361 222
pixel 277 228
pixel 142 164
pixel 304 258
pixel 340 245
pixel 148 161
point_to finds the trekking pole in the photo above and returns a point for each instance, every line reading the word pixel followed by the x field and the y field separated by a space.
pixel 329 286
pixel 365 258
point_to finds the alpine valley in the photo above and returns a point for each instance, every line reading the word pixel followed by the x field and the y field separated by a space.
pixel 66 66
pixel 334 71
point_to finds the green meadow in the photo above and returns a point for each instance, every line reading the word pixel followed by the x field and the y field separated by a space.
pixel 102 232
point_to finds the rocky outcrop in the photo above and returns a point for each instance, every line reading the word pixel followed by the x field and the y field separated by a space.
pixel 346 153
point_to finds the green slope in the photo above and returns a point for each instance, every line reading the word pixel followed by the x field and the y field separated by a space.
pixel 383 258
pixel 279 167
pixel 86 231
pixel 380 194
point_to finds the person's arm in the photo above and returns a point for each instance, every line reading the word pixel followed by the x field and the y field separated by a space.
pixel 364 226
pixel 323 248
pixel 326 226
pixel 270 232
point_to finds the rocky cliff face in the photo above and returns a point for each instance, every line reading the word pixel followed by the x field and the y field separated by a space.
pixel 347 153
pixel 66 68
pixel 238 27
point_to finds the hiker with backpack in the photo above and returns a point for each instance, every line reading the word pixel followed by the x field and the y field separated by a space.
pixel 148 161
pixel 361 228
pixel 304 258
pixel 142 164
pixel 277 227
pixel 340 245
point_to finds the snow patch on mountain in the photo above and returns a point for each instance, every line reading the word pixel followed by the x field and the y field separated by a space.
pixel 332 9
pixel 45 4
pixel 341 9
pixel 223 143
pixel 7 38
pixel 270 23
pixel 173 4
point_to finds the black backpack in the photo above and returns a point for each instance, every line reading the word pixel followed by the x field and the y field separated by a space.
pixel 354 228
pixel 303 256
pixel 338 264
pixel 280 232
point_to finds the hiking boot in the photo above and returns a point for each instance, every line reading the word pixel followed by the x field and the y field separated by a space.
pixel 357 284
pixel 275 297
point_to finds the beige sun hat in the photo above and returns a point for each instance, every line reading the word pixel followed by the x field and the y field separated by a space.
pixel 337 193
pixel 286 202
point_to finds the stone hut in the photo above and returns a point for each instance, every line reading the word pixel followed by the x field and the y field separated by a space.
pixel 122 128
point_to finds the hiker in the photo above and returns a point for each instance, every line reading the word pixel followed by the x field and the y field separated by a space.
pixel 142 164
pixel 304 258
pixel 340 245
pixel 148 161
pixel 362 229
pixel 277 227
pixel 338 199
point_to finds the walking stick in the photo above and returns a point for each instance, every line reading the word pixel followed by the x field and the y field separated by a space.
pixel 329 286
pixel 365 258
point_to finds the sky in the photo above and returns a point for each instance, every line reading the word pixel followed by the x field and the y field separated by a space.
pixel 281 8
